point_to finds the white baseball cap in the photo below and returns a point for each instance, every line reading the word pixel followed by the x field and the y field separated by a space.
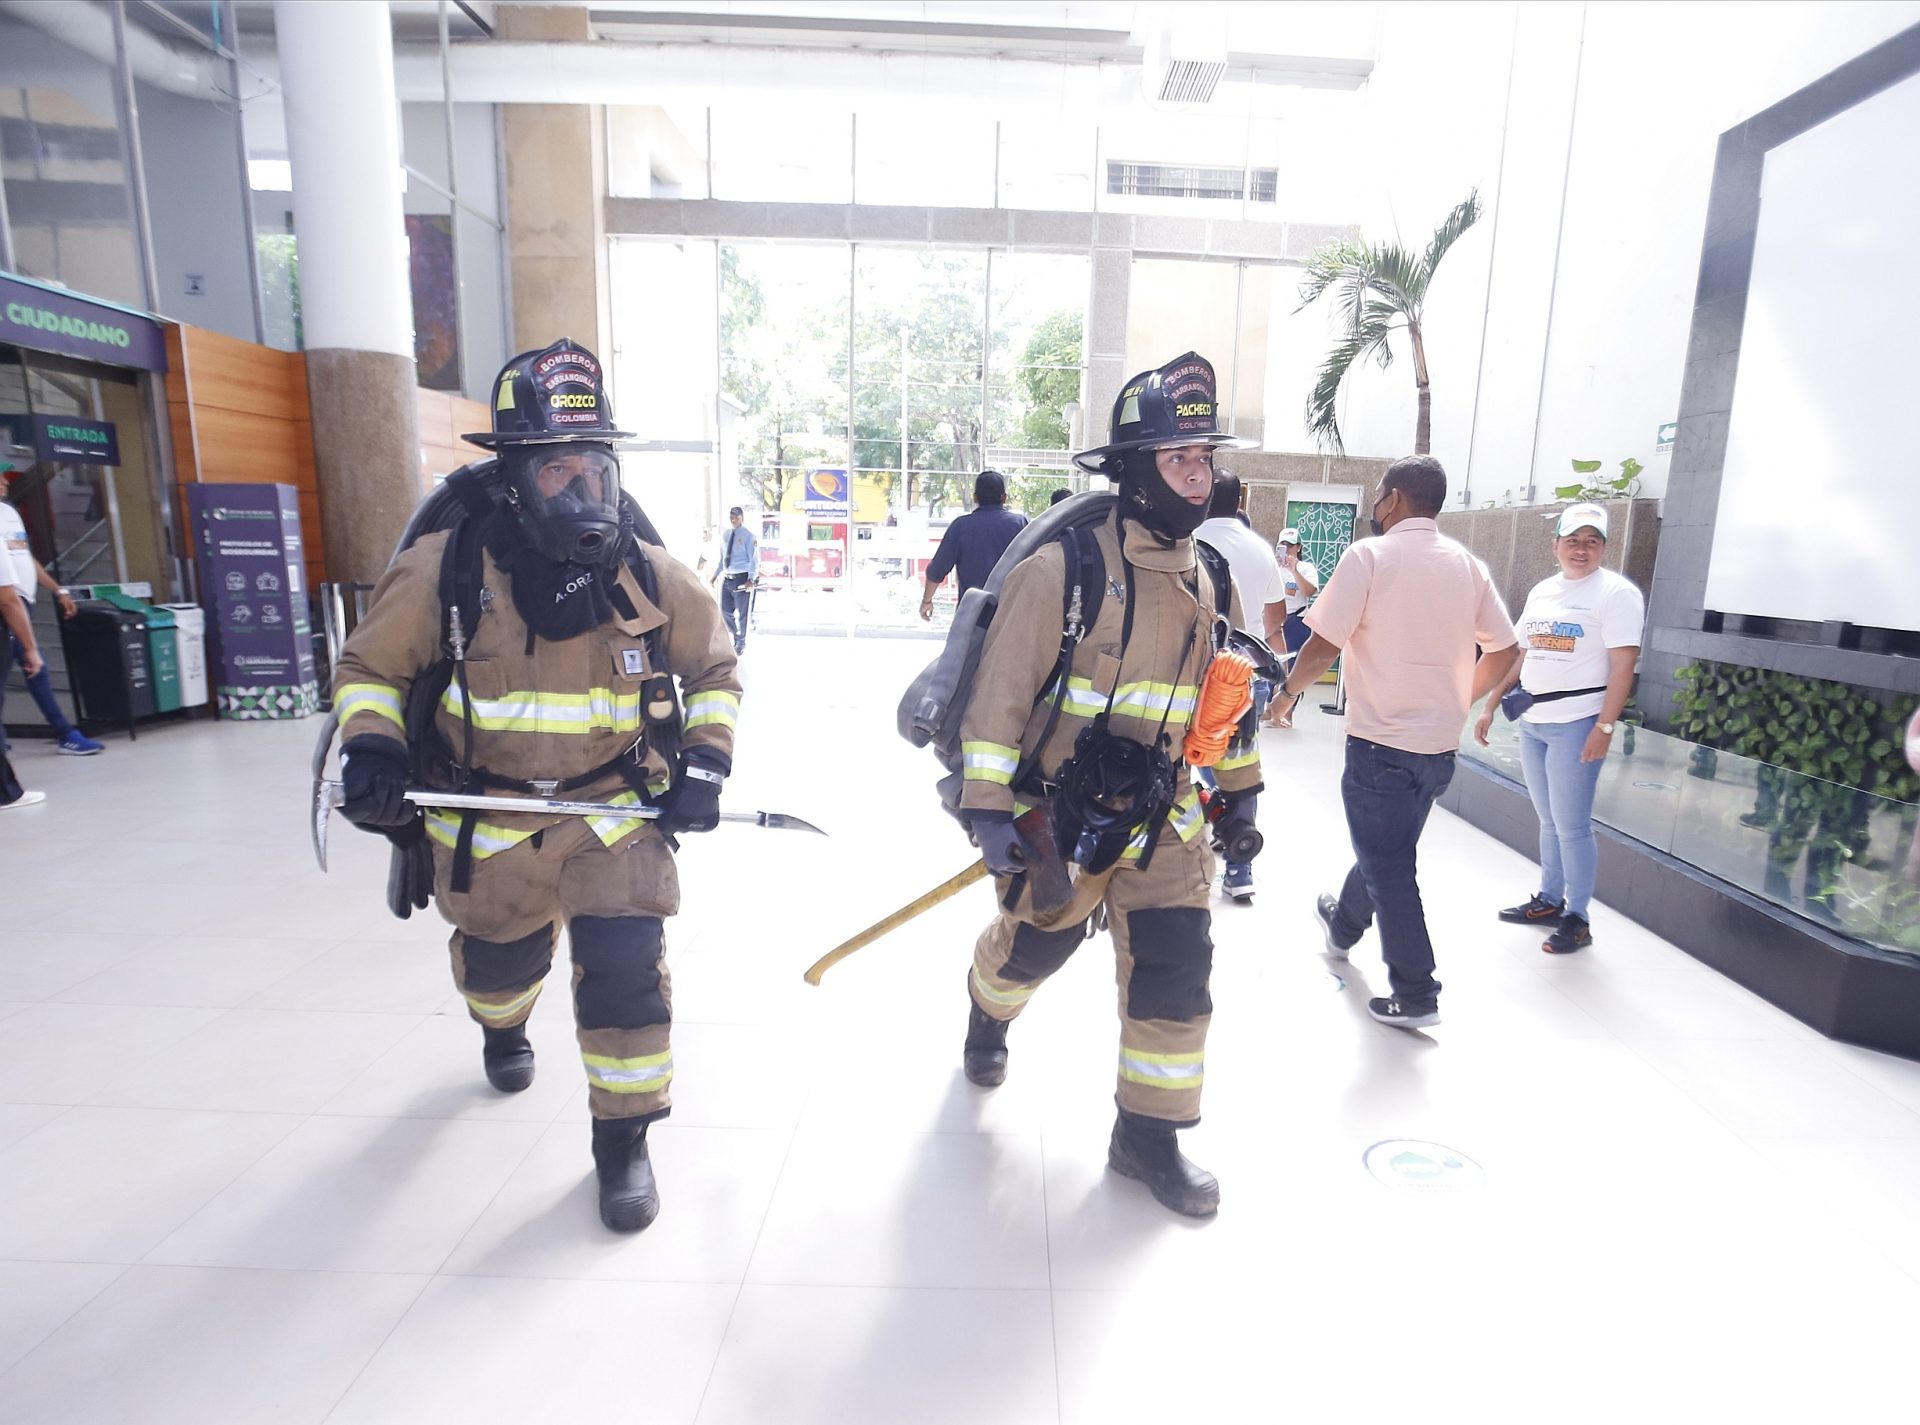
pixel 1581 516
pixel 1289 535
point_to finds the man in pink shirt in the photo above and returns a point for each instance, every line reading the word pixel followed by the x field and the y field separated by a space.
pixel 1408 608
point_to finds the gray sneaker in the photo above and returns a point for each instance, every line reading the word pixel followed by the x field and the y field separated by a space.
pixel 25 799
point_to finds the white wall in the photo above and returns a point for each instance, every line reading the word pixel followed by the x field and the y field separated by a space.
pixel 1657 84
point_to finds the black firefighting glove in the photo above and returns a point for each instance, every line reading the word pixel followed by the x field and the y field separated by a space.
pixel 1235 834
pixel 999 843
pixel 692 803
pixel 373 776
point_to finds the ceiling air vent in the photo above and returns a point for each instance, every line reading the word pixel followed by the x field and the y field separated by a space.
pixel 1184 53
pixel 1190 81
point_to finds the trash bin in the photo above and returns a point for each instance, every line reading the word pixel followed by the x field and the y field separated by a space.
pixel 107 662
pixel 190 639
pixel 163 649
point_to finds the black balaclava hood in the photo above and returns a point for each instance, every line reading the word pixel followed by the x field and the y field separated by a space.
pixel 1148 499
pixel 559 599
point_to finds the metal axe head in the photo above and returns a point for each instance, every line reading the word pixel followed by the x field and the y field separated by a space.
pixel 322 812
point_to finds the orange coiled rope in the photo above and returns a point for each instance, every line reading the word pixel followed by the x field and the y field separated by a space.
pixel 1226 696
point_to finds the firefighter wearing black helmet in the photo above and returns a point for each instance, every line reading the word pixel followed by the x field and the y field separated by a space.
pixel 1107 762
pixel 590 665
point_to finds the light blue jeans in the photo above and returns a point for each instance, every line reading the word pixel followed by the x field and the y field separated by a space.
pixel 1561 786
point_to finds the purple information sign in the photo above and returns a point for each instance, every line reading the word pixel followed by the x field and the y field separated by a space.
pixel 48 319
pixel 251 562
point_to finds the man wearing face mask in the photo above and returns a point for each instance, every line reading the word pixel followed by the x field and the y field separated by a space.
pixel 1101 748
pixel 558 679
pixel 1407 608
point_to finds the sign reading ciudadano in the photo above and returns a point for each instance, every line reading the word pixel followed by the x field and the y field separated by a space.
pixel 48 319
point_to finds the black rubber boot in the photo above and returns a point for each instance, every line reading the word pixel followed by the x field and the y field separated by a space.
pixel 628 1198
pixel 508 1058
pixel 985 1056
pixel 1146 1150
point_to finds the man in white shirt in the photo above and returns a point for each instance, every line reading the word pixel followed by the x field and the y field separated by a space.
pixel 30 576
pixel 1257 575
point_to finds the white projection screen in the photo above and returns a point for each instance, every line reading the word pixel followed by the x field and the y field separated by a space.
pixel 1820 494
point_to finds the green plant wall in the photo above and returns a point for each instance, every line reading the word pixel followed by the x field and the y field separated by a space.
pixel 1808 725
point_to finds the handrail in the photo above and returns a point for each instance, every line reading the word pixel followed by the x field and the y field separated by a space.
pixel 61 556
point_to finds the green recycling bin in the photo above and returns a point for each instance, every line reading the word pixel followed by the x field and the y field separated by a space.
pixel 163 646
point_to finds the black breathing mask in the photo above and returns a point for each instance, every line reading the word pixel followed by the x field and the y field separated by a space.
pixel 566 498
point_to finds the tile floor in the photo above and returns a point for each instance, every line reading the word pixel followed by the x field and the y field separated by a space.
pixel 250 1172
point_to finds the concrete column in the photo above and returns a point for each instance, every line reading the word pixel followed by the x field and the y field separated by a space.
pixel 343 138
pixel 1107 339
pixel 556 165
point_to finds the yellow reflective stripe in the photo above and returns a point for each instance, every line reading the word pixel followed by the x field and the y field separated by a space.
pixel 1018 995
pixel 377 698
pixel 1082 699
pixel 487 1010
pixel 721 709
pixel 1235 760
pixel 596 710
pixel 1185 817
pixel 611 828
pixel 1162 1071
pixel 1173 699
pixel 444 827
pixel 989 762
pixel 649 1073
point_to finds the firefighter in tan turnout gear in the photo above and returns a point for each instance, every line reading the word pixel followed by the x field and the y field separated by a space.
pixel 1103 751
pixel 556 678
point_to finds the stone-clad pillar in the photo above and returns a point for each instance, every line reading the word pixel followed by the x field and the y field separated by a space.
pixel 356 308
pixel 1111 278
pixel 556 188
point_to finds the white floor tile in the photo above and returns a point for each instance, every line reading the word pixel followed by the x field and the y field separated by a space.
pixel 1860 1185
pixel 36 1297
pixel 38 964
pixel 194 971
pixel 1771 1089
pixel 179 1346
pixel 435 1072
pixel 355 1195
pixel 106 1184
pixel 357 977
pixel 17 1120
pixel 841 1214
pixel 1672 1004
pixel 70 1053
pixel 475 1350
pixel 715 1184
pixel 833 1355
pixel 259 1061
pixel 1899 1078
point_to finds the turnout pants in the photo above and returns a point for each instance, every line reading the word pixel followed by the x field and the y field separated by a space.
pixel 1163 953
pixel 612 903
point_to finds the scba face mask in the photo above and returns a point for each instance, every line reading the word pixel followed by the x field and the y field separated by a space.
pixel 567 499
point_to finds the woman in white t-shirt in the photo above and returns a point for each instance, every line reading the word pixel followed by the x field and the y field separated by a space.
pixel 1581 633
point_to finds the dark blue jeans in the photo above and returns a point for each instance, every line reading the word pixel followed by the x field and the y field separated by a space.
pixel 1388 794
pixel 40 685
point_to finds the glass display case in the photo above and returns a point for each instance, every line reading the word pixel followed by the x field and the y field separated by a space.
pixel 1844 858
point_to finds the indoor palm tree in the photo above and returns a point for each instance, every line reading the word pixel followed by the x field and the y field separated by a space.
pixel 1380 288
